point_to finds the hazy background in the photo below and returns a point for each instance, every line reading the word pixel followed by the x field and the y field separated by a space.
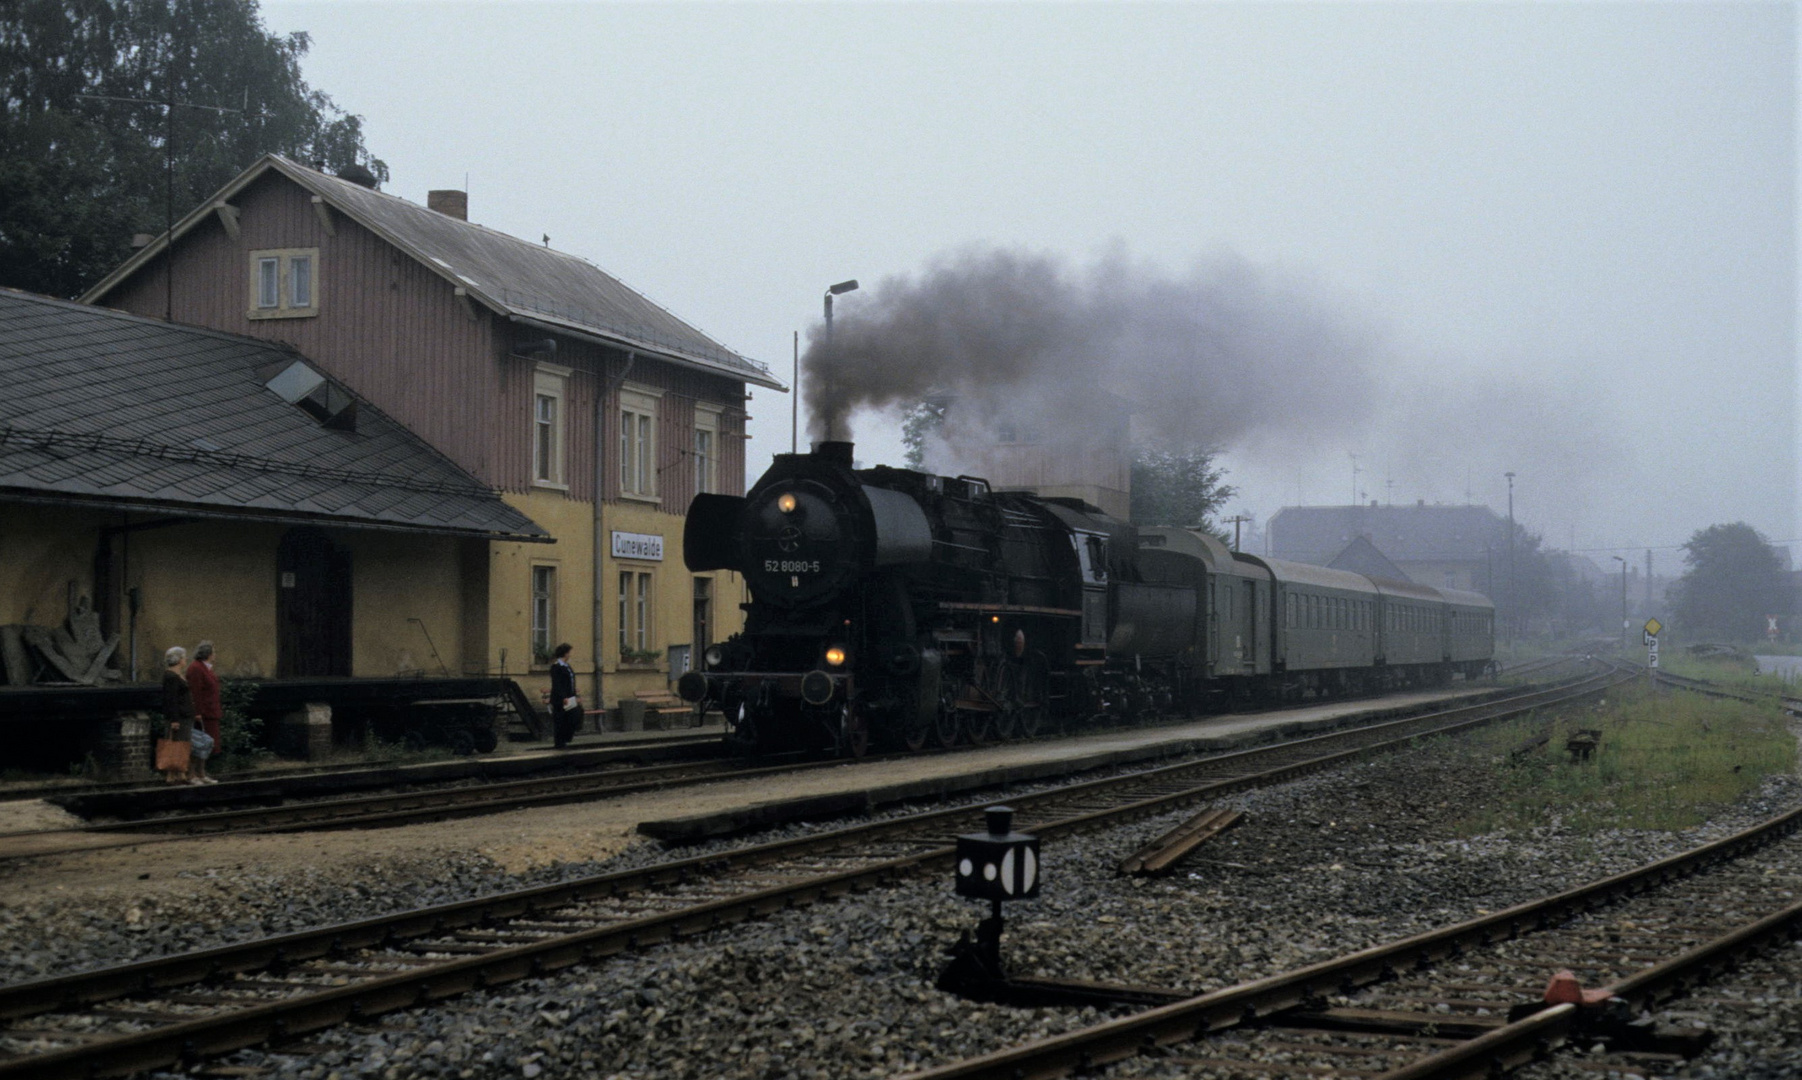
pixel 1562 239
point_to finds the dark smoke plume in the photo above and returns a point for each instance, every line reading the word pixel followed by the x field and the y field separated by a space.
pixel 1227 354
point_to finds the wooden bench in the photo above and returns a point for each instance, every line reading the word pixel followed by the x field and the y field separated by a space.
pixel 664 710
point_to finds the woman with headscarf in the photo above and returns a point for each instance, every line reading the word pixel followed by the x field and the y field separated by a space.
pixel 204 685
pixel 178 707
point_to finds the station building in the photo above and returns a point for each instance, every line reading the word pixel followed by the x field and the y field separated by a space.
pixel 164 484
pixel 594 413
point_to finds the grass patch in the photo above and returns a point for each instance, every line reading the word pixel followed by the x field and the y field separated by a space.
pixel 1666 760
pixel 1725 671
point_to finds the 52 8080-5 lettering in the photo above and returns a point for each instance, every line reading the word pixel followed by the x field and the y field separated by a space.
pixel 791 566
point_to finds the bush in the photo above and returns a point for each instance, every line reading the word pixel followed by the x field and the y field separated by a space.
pixel 240 732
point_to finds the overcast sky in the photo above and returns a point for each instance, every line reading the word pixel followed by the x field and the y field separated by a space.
pixel 1570 231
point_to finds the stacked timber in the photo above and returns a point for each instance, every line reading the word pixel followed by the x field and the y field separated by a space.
pixel 73 652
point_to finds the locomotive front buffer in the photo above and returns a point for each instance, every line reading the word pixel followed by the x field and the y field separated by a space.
pixel 1001 865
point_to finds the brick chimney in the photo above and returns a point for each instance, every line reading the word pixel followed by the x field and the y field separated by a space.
pixel 449 203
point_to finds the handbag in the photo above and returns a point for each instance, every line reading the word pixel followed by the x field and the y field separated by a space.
pixel 201 742
pixel 173 753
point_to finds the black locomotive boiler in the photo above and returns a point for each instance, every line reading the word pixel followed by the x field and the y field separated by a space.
pixel 908 609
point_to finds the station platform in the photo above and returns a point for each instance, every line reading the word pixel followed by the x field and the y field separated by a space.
pixel 877 784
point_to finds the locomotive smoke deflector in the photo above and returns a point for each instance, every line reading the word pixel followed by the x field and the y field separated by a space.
pixel 710 535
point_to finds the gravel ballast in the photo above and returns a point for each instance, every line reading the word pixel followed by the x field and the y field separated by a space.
pixel 844 989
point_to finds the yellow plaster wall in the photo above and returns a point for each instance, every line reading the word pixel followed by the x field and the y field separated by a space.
pixel 216 580
pixel 201 579
pixel 571 521
pixel 401 576
pixel 41 550
pixel 211 580
pixel 673 620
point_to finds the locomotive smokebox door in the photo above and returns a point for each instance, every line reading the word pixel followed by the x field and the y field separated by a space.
pixel 1000 864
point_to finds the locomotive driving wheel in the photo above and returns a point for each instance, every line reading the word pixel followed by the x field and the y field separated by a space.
pixel 944 722
pixel 1002 690
pixel 912 730
pixel 853 732
pixel 978 725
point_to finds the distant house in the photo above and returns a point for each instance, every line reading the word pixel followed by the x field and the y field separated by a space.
pixel 1362 557
pixel 1456 547
pixel 194 484
pixel 594 411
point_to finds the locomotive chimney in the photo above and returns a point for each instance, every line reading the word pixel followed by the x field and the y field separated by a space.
pixel 839 453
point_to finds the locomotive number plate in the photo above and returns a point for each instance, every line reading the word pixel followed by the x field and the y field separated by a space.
pixel 791 566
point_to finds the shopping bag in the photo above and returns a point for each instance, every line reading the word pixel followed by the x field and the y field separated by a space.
pixel 172 753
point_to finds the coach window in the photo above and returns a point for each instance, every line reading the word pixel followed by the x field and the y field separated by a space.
pixel 638 444
pixel 284 283
pixel 550 386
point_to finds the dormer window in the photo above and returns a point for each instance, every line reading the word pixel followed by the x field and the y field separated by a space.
pixel 283 283
pixel 312 393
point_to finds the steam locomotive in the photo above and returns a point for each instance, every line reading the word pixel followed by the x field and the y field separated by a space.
pixel 906 609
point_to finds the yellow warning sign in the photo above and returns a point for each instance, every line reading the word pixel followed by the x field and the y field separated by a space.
pixel 1653 626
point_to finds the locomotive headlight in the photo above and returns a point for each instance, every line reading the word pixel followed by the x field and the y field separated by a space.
pixel 835 656
pixel 714 656
pixel 786 502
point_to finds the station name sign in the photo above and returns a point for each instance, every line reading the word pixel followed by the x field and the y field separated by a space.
pixel 638 546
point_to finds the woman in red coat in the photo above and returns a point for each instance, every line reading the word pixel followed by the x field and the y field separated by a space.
pixel 204 685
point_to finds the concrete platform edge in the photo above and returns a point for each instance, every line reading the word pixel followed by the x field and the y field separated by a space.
pixel 695 828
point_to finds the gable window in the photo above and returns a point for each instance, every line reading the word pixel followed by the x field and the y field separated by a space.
pixel 284 283
pixel 549 391
pixel 638 444
pixel 269 291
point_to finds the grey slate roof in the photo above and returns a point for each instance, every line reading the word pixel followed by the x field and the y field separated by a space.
pixel 113 409
pixel 511 276
pixel 1363 557
pixel 1406 534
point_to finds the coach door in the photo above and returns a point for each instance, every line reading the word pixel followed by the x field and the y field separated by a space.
pixel 312 606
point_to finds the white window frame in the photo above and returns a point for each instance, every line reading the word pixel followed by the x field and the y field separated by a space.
pixel 637 415
pixel 637 611
pixel 707 464
pixel 551 381
pixel 286 283
pixel 542 618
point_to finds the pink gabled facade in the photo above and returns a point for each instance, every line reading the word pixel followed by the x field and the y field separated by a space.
pixel 397 331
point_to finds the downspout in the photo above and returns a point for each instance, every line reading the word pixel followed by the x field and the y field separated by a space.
pixel 600 493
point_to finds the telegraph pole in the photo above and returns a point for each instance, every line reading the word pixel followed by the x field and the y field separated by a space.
pixel 1513 585
pixel 168 104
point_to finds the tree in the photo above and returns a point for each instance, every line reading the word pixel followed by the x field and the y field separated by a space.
pixel 79 176
pixel 1178 487
pixel 1731 581
pixel 917 423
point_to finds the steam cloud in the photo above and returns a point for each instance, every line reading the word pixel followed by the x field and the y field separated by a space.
pixel 1227 354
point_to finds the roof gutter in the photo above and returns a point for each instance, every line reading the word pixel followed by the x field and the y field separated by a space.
pixel 626 344
pixel 187 510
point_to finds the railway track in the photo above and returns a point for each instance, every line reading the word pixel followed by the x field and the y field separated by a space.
pixel 190 1006
pixel 1469 1000
pixel 385 809
pixel 1790 705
